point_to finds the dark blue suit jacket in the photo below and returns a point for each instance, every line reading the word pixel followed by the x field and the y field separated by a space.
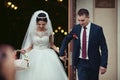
pixel 97 47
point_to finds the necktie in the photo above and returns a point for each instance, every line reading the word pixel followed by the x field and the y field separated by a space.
pixel 84 44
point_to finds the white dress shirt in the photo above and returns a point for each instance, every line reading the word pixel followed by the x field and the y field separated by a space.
pixel 87 38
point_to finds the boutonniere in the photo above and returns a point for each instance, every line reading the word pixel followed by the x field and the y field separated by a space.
pixel 75 36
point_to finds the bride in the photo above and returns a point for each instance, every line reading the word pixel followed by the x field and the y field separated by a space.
pixel 37 44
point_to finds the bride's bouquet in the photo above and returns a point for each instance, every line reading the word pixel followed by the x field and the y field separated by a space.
pixel 22 63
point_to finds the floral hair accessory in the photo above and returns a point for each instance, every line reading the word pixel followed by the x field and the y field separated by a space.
pixel 75 36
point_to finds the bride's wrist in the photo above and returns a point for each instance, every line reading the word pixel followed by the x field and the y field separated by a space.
pixel 24 50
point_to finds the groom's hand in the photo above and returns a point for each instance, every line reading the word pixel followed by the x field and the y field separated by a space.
pixel 102 70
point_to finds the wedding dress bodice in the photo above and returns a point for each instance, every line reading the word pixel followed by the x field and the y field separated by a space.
pixel 40 40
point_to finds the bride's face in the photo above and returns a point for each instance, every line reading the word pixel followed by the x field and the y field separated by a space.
pixel 41 25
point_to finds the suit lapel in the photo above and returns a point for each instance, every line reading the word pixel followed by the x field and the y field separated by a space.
pixel 90 34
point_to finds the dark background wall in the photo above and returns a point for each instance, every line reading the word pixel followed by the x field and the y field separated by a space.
pixel 14 23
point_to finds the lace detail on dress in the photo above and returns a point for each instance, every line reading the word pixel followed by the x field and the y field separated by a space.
pixel 41 34
pixel 41 40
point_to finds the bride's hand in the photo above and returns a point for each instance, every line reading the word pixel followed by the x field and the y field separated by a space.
pixel 23 51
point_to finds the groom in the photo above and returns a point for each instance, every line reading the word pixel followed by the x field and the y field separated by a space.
pixel 90 53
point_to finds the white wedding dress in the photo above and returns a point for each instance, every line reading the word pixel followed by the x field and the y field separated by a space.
pixel 44 62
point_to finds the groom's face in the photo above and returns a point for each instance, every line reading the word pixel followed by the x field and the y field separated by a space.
pixel 83 20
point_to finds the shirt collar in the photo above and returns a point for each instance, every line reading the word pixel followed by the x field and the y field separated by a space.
pixel 88 25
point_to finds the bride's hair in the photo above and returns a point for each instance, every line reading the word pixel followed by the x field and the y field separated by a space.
pixel 41 17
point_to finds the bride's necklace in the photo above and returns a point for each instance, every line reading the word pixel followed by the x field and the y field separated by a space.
pixel 41 33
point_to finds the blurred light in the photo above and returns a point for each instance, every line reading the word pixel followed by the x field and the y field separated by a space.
pixel 56 31
pixel 9 3
pixel 15 8
pixel 57 47
pixel 46 0
pixel 53 33
pixel 12 5
pixel 59 28
pixel 62 31
pixel 60 0
pixel 65 33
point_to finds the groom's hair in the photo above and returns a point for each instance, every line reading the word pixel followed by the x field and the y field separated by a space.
pixel 83 11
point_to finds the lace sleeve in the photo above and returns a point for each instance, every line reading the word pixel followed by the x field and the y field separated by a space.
pixel 51 39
